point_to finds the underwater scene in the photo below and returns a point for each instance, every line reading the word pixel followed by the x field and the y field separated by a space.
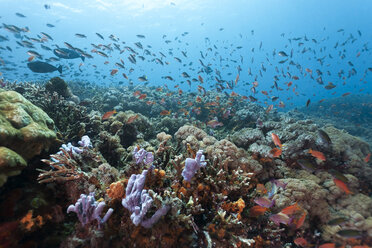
pixel 175 123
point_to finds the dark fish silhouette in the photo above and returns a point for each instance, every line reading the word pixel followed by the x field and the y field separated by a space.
pixel 42 67
pixel 65 53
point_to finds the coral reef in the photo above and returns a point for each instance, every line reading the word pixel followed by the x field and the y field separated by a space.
pixel 263 180
pixel 25 131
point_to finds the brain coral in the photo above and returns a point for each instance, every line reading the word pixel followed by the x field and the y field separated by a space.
pixel 25 130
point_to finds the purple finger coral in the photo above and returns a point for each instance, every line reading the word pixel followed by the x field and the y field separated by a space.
pixel 192 165
pixel 142 156
pixel 88 209
pixel 138 202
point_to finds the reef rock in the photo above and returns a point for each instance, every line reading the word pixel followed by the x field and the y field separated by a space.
pixel 25 131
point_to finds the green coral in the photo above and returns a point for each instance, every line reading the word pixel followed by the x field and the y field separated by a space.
pixel 25 131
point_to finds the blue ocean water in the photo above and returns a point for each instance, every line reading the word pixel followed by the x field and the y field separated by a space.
pixel 213 39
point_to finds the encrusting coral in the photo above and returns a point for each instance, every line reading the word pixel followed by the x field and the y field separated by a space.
pixel 25 131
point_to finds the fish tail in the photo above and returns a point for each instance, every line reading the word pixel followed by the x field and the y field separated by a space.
pixel 82 58
pixel 60 69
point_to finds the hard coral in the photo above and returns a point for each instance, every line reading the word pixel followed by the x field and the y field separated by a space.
pixel 25 131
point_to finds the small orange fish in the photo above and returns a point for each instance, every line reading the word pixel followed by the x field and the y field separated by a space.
pixel 264 92
pixel 108 114
pixel 200 79
pixel 346 94
pixel 233 94
pixel 137 93
pixel 327 245
pixel 289 84
pixel 261 189
pixel 113 72
pixel 150 103
pixel 31 58
pixel 276 140
pixel 301 220
pixel 300 242
pixel 165 112
pixel 276 152
pixel 269 108
pixel 295 78
pixel 143 96
pixel 291 209
pixel 198 99
pixel 317 154
pixel 236 79
pixel 342 186
pixel 257 211
pixel 367 158
pixel 255 84
pixel 180 92
pixel 132 118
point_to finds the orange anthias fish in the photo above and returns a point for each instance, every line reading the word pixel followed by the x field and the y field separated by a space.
pixel 276 140
pixel 291 209
pixel 257 211
pixel 317 154
pixel 300 221
pixel 31 58
pixel 269 108
pixel 367 158
pixel 300 242
pixel 342 186
pixel 132 118
pixel 236 79
pixel 137 93
pixel 108 114
pixel 327 245
pixel 165 112
pixel 143 96
pixel 276 152
pixel 113 72
pixel 261 189
pixel 200 79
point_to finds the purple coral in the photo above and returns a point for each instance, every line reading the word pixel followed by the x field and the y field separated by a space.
pixel 88 209
pixel 142 156
pixel 192 165
pixel 138 202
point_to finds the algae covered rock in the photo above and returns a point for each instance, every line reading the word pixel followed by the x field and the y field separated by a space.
pixel 11 164
pixel 25 131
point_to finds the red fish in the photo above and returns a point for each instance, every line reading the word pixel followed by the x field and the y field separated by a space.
pixel 200 79
pixel 367 158
pixel 317 154
pixel 269 108
pixel 276 152
pixel 276 140
pixel 327 245
pixel 132 118
pixel 300 242
pixel 236 79
pixel 113 72
pixel 108 114
pixel 291 209
pixel 261 189
pixel 143 96
pixel 31 58
pixel 257 211
pixel 214 123
pixel 300 221
pixel 342 186
pixel 165 112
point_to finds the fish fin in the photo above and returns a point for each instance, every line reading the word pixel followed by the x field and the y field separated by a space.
pixel 82 58
pixel 60 69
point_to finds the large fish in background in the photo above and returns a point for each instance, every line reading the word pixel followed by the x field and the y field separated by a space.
pixel 42 67
pixel 65 53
